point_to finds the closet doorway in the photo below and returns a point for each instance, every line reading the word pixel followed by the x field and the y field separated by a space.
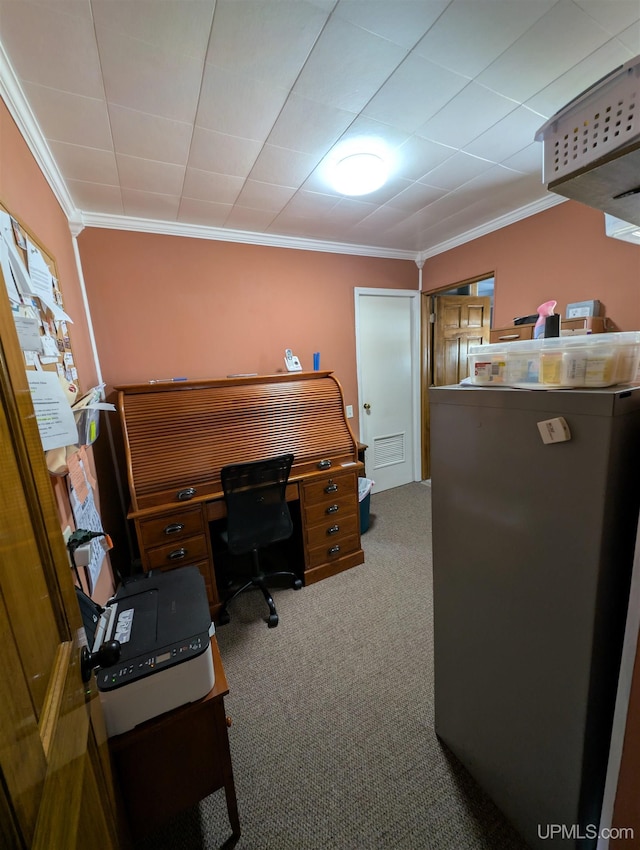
pixel 452 319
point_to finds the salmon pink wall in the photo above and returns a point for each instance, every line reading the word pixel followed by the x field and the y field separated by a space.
pixel 25 193
pixel 561 254
pixel 171 306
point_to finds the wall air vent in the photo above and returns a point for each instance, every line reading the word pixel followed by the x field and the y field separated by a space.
pixel 388 450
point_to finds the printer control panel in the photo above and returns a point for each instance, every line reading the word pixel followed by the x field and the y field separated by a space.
pixel 124 672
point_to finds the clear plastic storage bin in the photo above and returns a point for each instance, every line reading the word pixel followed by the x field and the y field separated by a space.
pixel 598 360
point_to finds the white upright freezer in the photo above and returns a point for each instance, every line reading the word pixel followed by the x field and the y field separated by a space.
pixel 533 547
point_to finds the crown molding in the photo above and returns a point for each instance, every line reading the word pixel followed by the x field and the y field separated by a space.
pixel 20 111
pixel 173 228
pixel 544 203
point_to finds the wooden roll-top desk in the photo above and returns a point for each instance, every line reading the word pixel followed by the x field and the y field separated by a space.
pixel 179 435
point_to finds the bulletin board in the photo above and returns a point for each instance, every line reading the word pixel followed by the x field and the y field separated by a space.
pixel 31 279
pixel 67 420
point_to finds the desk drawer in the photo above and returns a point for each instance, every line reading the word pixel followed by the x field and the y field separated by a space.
pixel 333 551
pixel 332 530
pixel 329 488
pixel 171 527
pixel 178 553
pixel 329 508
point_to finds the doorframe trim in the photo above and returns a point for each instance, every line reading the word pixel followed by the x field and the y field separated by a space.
pixel 414 300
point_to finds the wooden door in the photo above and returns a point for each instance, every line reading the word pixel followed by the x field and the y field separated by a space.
pixel 57 790
pixel 450 324
pixel 460 321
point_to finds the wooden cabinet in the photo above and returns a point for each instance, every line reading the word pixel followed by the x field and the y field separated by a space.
pixel 177 538
pixel 594 324
pixel 171 762
pixel 331 523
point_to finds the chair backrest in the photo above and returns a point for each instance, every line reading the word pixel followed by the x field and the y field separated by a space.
pixel 257 510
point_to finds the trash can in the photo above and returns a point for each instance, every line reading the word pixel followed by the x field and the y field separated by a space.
pixel 364 497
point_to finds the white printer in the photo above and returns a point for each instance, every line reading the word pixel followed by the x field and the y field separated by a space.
pixel 163 624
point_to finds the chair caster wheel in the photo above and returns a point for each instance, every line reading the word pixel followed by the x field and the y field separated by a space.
pixel 223 618
pixel 297 584
pixel 272 622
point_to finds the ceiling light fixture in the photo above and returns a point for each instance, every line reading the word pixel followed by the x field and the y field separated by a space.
pixel 359 173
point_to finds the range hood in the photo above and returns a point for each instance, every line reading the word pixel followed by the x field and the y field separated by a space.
pixel 592 146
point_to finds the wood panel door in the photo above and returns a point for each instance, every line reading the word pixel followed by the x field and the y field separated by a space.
pixel 54 767
pixel 460 321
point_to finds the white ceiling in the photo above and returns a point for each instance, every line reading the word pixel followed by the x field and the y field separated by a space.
pixel 215 117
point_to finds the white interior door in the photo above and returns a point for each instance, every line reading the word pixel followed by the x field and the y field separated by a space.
pixel 387 350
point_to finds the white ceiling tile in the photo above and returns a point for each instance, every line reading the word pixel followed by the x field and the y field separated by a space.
pixel 88 164
pixel 150 204
pixel 347 66
pixel 146 175
pixel 416 91
pixel 282 166
pixel 403 21
pixel 193 211
pixel 221 93
pixel 631 38
pixel 579 78
pixel 51 47
pixel 309 127
pixel 268 41
pixel 144 77
pixel 252 152
pixel 467 115
pixel 613 16
pixel 264 196
pixel 71 118
pixel 567 34
pixel 349 211
pixel 212 151
pixel 417 156
pixel 96 197
pixel 245 218
pixel 172 25
pixel 469 36
pixel 211 187
pixel 455 171
pixel 527 161
pixel 381 219
pixel 513 133
pixel 150 136
pixel 305 203
pixel 416 197
pixel 367 128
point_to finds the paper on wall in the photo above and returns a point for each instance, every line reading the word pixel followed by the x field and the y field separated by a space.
pixel 54 416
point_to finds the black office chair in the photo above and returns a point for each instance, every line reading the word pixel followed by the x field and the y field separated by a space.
pixel 257 515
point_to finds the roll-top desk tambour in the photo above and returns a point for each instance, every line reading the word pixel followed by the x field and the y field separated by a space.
pixel 179 435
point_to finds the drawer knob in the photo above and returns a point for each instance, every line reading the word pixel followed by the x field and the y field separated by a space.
pixel 332 509
pixel 331 487
pixel 334 529
pixel 324 464
pixel 186 494
pixel 334 550
pixel 174 528
pixel 177 554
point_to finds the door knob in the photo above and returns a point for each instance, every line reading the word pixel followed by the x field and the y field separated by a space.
pixel 367 407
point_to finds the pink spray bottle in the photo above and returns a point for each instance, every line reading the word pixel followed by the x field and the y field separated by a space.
pixel 544 310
